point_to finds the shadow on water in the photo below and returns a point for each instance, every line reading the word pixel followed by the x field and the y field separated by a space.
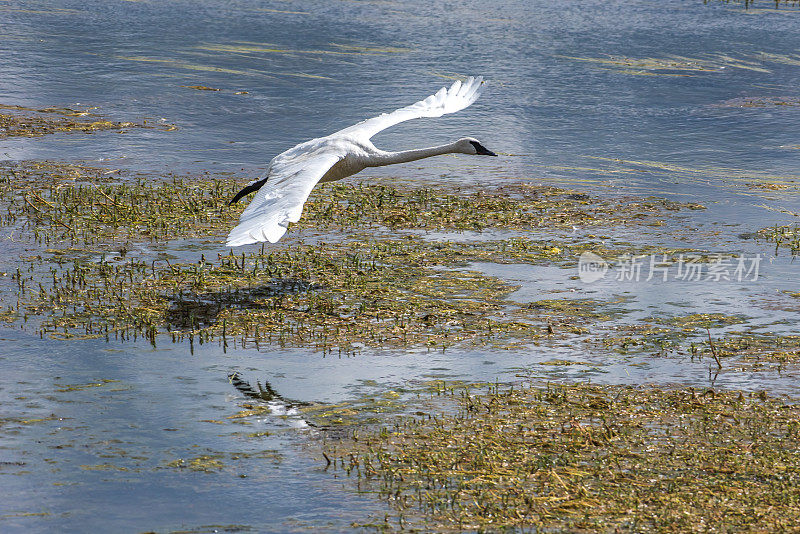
pixel 191 310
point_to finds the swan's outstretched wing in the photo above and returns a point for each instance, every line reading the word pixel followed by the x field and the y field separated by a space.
pixel 459 96
pixel 280 201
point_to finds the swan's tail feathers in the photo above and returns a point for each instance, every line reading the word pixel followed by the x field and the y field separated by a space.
pixel 256 231
pixel 252 186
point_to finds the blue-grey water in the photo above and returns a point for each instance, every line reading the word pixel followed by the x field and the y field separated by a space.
pixel 90 428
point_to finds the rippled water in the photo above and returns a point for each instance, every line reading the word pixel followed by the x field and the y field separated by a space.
pixel 566 108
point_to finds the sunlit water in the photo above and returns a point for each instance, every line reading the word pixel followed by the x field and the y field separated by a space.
pixel 96 458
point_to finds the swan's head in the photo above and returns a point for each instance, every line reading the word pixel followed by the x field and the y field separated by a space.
pixel 470 145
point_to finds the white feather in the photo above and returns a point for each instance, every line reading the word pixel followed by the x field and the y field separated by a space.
pixel 459 96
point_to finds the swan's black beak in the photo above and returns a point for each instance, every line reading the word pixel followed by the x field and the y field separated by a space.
pixel 482 150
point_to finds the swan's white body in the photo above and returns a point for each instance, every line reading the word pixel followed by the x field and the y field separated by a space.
pixel 293 174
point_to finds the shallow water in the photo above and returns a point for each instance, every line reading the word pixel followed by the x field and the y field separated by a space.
pixel 562 108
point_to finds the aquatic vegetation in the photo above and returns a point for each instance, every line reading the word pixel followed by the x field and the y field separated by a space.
pixel 201 88
pixel 105 267
pixel 103 204
pixel 385 292
pixel 266 48
pixel 283 12
pixel 723 177
pixel 787 236
pixel 179 64
pixel 571 315
pixel 760 102
pixel 758 350
pixel 311 296
pixel 677 65
pixel 89 213
pixel 79 387
pixel 671 65
pixel 518 206
pixel 20 121
pixel 690 336
pixel 581 458
pixel 693 321
pixel 785 59
pixel 205 463
pixel 748 4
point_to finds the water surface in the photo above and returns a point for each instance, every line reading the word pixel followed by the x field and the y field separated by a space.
pixel 581 95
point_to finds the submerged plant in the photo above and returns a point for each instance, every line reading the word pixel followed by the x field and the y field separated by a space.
pixel 350 292
pixel 787 236
pixel 20 121
pixel 583 458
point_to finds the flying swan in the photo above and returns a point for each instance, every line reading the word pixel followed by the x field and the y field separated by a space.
pixel 292 175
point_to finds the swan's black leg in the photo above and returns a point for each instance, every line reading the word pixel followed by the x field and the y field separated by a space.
pixel 255 186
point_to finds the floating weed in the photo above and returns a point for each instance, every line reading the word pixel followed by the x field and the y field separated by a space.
pixel 379 293
pixel 87 205
pixel 80 387
pixel 265 48
pixel 582 458
pixel 177 64
pixel 372 49
pixel 361 291
pixel 204 463
pixel 672 65
pixel 282 12
pixel 749 4
pixel 518 206
pixel 785 59
pixel 219 461
pixel 690 337
pixel 760 102
pixel 722 176
pixel 693 321
pixel 106 467
pixel 787 236
pixel 311 296
pixel 19 121
pixel 25 514
pixel 570 315
pixel 200 88
pixel 758 352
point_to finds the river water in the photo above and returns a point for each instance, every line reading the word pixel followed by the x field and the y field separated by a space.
pixel 676 99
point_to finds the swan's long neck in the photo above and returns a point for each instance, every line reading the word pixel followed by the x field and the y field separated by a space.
pixel 389 158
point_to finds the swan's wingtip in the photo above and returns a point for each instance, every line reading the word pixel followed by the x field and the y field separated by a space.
pixel 238 242
pixel 245 235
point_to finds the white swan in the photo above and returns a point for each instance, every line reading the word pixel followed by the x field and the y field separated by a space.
pixel 293 174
